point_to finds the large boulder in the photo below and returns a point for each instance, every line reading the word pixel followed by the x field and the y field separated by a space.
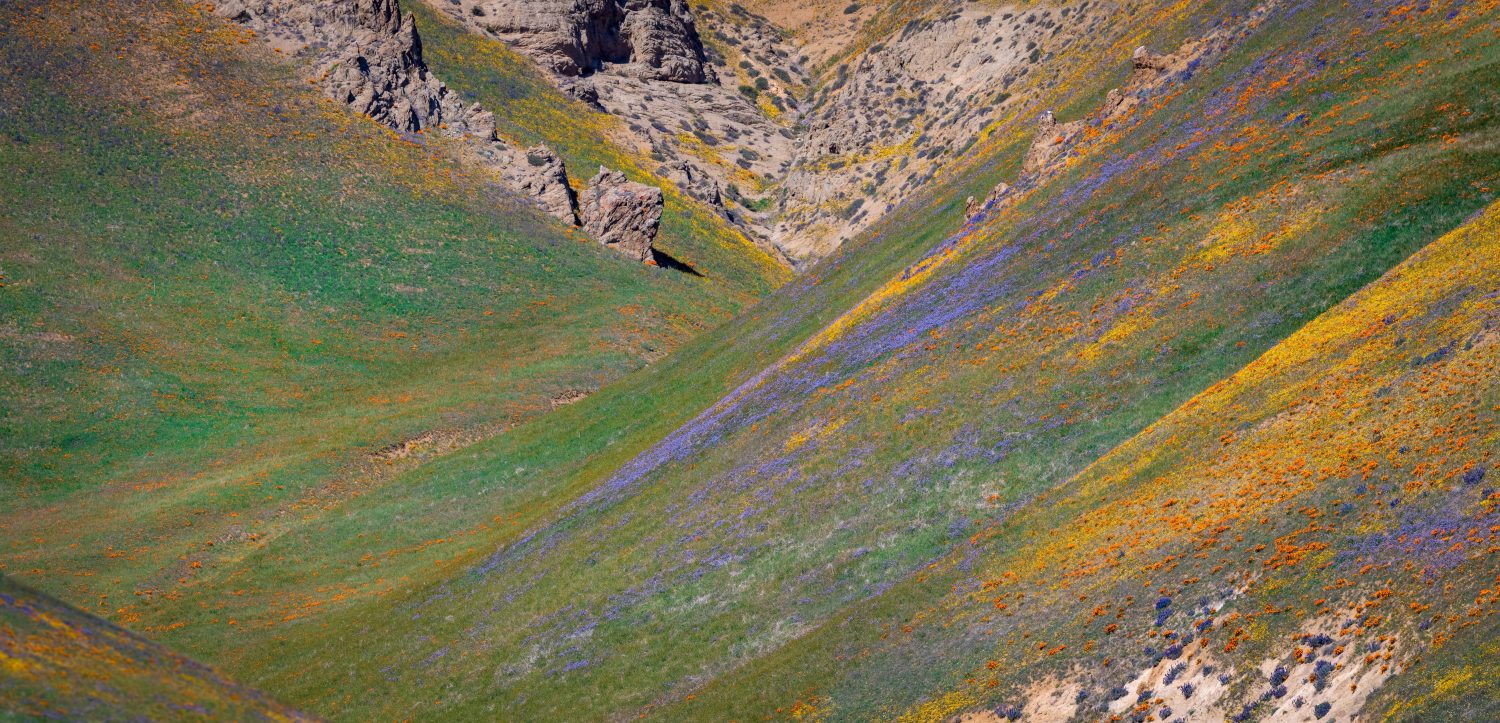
pixel 651 39
pixel 540 174
pixel 621 214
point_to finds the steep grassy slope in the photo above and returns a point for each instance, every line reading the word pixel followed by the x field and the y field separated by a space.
pixel 60 663
pixel 1181 244
pixel 227 302
pixel 237 575
pixel 795 549
pixel 1318 521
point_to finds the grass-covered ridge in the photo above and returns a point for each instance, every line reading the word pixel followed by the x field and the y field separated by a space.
pixel 1181 245
pixel 916 457
pixel 59 663
pixel 223 295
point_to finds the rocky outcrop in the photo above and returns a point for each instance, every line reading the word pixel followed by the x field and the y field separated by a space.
pixel 536 173
pixel 543 176
pixel 974 207
pixel 1148 71
pixel 582 90
pixel 368 56
pixel 650 39
pixel 1051 142
pixel 696 182
pixel 621 214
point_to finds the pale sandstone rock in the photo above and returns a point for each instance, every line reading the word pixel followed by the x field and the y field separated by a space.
pixel 652 39
pixel 621 214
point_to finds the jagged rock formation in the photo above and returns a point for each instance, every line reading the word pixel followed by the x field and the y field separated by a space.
pixel 649 39
pixel 900 110
pixel 545 179
pixel 716 111
pixel 1052 139
pixel 621 214
pixel 368 56
pixel 973 207
pixel 696 183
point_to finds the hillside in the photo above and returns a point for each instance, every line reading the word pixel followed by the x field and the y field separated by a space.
pixel 230 305
pixel 1002 364
pixel 60 663
pixel 1177 404
pixel 1316 531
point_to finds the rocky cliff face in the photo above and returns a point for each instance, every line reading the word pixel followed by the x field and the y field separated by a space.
pixel 367 55
pixel 715 109
pixel 648 39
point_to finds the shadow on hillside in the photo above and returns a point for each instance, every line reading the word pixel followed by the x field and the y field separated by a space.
pixel 667 261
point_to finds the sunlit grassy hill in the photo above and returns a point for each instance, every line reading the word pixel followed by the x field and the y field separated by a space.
pixel 1179 246
pixel 62 664
pixel 1211 407
pixel 1315 532
pixel 229 305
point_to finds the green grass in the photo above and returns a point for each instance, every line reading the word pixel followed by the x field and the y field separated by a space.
pixel 61 663
pixel 498 491
pixel 222 293
pixel 779 558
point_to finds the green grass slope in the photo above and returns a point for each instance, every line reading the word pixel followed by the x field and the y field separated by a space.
pixel 561 571
pixel 862 433
pixel 62 664
pixel 224 296
pixel 1319 527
